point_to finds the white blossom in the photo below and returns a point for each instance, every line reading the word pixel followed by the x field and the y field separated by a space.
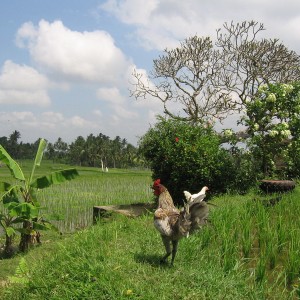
pixel 273 133
pixel 228 132
pixel 271 98
pixel 286 133
pixel 263 88
pixel 256 126
pixel 287 88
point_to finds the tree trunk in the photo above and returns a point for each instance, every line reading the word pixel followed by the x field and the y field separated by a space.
pixel 102 165
pixel 8 249
pixel 25 237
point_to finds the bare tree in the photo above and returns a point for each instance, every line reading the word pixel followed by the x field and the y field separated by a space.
pixel 209 79
pixel 250 63
pixel 188 75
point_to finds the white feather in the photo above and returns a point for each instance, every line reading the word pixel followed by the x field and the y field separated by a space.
pixel 187 195
pixel 163 226
pixel 196 197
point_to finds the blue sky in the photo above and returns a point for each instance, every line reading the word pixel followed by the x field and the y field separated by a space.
pixel 66 66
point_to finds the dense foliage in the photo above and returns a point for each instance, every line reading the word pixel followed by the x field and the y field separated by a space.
pixel 21 206
pixel 237 71
pixel 187 157
pixel 272 120
pixel 92 151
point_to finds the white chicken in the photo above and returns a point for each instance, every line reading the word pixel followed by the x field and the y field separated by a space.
pixel 196 197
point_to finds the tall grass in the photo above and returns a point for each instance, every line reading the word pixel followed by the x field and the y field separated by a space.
pixel 263 239
pixel 120 260
pixel 71 203
pixel 249 250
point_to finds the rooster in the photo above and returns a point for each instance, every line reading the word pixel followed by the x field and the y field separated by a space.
pixel 174 224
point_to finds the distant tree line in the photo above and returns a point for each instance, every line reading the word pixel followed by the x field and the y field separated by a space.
pixel 93 151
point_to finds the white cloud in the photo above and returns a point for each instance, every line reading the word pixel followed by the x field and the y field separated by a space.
pixel 125 113
pixel 111 95
pixel 161 24
pixel 52 116
pixel 21 84
pixel 16 116
pixel 89 56
pixel 131 11
pixel 118 103
pixel 79 122
pixel 49 125
pixel 98 113
pixel 88 69
pixel 150 102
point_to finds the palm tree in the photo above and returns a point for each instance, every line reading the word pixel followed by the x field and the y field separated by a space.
pixel 13 144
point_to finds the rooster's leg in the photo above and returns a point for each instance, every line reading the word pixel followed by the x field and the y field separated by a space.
pixel 174 250
pixel 167 243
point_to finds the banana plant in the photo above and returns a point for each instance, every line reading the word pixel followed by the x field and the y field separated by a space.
pixel 20 202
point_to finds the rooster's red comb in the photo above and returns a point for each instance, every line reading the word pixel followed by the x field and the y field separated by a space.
pixel 156 182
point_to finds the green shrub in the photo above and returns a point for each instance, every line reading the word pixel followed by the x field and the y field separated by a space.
pixel 188 157
pixel 273 124
pixel 293 159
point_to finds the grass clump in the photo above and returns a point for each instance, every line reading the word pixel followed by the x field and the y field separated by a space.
pixel 120 260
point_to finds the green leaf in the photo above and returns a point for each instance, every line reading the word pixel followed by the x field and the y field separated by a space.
pixel 11 194
pixel 54 178
pixel 14 168
pixel 44 225
pixel 17 220
pixel 22 275
pixel 38 157
pixel 4 186
pixel 2 221
pixel 25 210
pixel 10 231
pixel 26 231
pixel 40 152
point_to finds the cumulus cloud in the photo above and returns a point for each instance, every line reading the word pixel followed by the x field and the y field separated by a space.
pixel 111 95
pixel 79 122
pixel 52 117
pixel 131 11
pixel 89 56
pixel 48 124
pixel 161 24
pixel 81 66
pixel 21 84
pixel 16 116
pixel 117 102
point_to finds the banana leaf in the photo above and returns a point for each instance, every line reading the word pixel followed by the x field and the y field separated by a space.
pixel 38 157
pixel 14 168
pixel 54 178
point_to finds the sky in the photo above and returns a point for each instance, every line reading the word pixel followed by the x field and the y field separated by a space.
pixel 66 65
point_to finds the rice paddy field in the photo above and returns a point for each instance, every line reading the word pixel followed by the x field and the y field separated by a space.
pixel 249 250
pixel 72 202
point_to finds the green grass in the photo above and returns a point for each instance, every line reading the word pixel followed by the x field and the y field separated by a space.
pixel 73 201
pixel 249 250
pixel 120 260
